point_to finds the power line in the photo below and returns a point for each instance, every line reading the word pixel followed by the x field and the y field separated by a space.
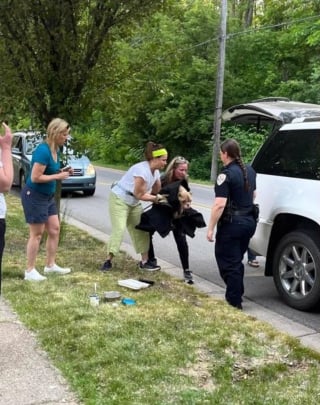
pixel 243 32
pixel 265 27
pixel 216 38
pixel 249 31
pixel 232 35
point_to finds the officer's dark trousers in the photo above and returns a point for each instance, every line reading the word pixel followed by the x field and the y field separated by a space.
pixel 232 240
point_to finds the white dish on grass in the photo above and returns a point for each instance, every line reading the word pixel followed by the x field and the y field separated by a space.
pixel 133 284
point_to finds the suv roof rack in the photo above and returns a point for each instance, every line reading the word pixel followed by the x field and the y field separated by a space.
pixel 269 99
pixel 305 119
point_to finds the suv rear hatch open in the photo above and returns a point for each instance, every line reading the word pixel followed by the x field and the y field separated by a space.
pixel 270 110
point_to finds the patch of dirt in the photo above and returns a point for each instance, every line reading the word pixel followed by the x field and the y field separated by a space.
pixel 199 371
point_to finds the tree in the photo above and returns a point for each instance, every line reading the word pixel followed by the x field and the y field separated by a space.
pixel 165 84
pixel 53 47
pixel 242 11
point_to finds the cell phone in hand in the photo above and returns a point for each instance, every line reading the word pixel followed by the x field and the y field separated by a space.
pixel 66 168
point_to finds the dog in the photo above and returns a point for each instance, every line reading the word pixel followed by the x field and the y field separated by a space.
pixel 185 199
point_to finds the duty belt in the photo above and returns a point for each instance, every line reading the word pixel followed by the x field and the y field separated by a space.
pixel 246 211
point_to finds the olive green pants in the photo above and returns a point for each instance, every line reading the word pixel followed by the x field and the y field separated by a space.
pixel 124 216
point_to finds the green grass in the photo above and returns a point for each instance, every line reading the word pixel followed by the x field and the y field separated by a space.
pixel 175 346
pixel 115 166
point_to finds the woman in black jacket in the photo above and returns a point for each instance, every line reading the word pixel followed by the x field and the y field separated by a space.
pixel 177 170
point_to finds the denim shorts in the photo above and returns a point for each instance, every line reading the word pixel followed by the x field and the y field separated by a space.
pixel 37 207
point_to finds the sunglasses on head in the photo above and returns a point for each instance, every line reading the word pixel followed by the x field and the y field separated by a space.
pixel 179 160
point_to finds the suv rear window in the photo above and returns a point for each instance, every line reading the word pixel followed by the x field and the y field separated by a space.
pixel 291 154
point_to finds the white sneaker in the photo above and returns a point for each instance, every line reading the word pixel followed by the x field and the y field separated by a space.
pixel 56 269
pixel 33 275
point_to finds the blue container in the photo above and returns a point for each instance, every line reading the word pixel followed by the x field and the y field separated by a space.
pixel 128 301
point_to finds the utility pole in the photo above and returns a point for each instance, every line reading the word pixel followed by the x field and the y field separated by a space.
pixel 219 90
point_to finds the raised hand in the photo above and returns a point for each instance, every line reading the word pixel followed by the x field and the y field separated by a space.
pixel 6 139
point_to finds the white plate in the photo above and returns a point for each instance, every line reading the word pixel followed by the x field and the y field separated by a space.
pixel 133 284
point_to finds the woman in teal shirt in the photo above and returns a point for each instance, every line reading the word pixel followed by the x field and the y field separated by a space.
pixel 38 200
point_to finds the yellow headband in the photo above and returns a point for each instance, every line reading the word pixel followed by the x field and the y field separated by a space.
pixel 159 152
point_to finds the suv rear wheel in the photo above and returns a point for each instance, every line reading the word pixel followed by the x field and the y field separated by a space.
pixel 296 269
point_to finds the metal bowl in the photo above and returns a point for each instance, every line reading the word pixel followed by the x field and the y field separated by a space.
pixel 111 295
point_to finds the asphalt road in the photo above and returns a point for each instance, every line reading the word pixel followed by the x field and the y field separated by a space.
pixel 94 212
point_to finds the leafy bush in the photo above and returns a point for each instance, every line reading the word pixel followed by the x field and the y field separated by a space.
pixel 200 167
pixel 248 137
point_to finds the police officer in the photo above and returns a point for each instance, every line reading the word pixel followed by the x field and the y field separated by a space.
pixel 232 213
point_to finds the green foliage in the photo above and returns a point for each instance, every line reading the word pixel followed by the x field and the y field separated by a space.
pixel 126 73
pixel 165 91
pixel 53 47
pixel 200 166
pixel 166 76
pixel 248 137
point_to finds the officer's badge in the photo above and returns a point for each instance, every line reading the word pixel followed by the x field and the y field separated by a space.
pixel 221 179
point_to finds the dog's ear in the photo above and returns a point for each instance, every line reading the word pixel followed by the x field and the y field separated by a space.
pixel 185 197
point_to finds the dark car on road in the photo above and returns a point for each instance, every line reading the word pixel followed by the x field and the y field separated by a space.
pixel 23 145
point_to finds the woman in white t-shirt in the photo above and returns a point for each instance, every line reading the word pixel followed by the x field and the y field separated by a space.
pixel 140 183
pixel 6 179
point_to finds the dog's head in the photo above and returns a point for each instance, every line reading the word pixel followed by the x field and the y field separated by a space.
pixel 185 198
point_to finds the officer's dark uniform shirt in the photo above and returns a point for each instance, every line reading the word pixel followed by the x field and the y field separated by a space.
pixel 231 184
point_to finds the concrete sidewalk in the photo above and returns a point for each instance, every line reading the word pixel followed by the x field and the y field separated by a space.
pixel 28 378
pixel 26 374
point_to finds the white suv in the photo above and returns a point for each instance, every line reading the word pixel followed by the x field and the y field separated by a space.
pixel 288 192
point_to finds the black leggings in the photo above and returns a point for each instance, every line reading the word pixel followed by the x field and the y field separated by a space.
pixel 182 245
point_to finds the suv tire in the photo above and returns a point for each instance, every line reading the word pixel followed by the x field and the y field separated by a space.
pixel 296 269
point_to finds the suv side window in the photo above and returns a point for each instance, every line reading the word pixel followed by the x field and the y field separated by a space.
pixel 294 153
pixel 17 142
